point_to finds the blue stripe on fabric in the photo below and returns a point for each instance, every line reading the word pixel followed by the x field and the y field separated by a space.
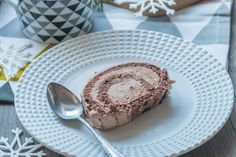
pixel 160 24
pixel 217 31
pixel 12 29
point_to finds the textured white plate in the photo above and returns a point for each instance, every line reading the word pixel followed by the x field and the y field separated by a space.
pixel 199 105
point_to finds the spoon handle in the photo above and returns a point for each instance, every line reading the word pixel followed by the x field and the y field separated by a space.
pixel 109 149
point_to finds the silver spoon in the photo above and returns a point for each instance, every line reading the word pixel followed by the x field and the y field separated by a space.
pixel 67 106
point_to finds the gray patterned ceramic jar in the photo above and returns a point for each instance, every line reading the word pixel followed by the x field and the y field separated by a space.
pixel 54 21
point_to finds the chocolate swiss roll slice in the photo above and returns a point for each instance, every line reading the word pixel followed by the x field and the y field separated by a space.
pixel 119 94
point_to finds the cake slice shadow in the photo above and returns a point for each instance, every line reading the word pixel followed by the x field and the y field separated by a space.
pixel 142 124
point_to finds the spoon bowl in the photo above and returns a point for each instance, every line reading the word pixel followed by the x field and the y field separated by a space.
pixel 63 102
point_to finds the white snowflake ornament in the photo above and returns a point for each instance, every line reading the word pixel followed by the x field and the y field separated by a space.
pixel 19 149
pixel 14 58
pixel 153 6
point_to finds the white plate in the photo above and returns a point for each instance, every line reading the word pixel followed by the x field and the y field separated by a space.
pixel 199 105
